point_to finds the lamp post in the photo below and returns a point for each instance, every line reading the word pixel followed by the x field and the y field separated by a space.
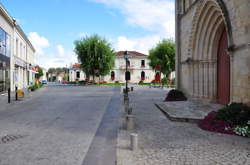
pixel 126 72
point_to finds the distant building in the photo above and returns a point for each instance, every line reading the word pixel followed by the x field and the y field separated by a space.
pixel 17 67
pixel 76 74
pixel 138 69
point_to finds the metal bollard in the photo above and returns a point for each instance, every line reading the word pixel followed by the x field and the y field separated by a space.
pixel 9 96
pixel 16 94
pixel 132 89
pixel 130 122
pixel 134 141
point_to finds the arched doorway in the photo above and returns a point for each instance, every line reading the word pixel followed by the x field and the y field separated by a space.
pixel 127 76
pixel 112 75
pixel 142 75
pixel 157 77
pixel 209 66
pixel 223 71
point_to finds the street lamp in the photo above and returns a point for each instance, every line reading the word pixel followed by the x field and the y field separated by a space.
pixel 126 56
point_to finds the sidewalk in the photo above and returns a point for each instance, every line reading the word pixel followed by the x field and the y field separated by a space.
pixel 163 142
pixel 4 105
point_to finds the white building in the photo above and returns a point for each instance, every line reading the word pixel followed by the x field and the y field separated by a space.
pixel 138 69
pixel 17 67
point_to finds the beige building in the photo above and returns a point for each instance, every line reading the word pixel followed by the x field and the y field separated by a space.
pixel 138 69
pixel 213 49
pixel 17 66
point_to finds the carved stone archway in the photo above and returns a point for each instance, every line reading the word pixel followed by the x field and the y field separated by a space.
pixel 209 21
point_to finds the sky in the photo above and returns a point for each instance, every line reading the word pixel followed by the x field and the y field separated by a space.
pixel 53 25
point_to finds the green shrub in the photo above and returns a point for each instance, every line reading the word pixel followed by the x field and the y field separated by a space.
pixel 164 81
pixel 140 82
pixel 175 95
pixel 235 114
pixel 35 86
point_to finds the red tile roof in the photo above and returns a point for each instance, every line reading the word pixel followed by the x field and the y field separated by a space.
pixel 134 53
pixel 76 66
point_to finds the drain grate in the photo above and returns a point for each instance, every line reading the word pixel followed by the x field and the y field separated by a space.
pixel 10 138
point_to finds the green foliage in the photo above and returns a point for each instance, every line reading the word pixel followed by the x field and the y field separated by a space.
pixel 36 86
pixel 140 82
pixel 162 57
pixel 96 55
pixel 40 72
pixel 235 114
pixel 176 94
pixel 164 81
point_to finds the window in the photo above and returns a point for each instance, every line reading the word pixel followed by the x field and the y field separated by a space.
pixel 17 47
pixel 142 63
pixel 2 42
pixel 128 63
pixel 77 74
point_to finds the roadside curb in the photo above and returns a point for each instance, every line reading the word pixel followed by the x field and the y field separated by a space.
pixel 175 118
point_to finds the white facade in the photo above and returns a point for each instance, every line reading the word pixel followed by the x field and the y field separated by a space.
pixel 20 72
pixel 76 74
pixel 138 68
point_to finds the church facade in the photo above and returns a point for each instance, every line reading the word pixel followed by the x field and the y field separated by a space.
pixel 213 50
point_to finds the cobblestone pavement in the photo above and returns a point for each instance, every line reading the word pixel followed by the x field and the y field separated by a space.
pixel 162 142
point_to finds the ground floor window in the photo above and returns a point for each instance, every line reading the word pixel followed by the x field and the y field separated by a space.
pixel 78 75
pixel 4 75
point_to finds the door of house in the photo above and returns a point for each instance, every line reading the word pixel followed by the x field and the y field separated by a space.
pixel 223 72
pixel 157 77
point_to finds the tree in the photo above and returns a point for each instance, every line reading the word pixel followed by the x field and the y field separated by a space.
pixel 40 73
pixel 162 57
pixel 96 55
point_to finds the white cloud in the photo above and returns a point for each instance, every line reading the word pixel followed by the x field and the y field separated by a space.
pixel 154 15
pixel 38 42
pixel 60 51
pixel 61 58
pixel 142 44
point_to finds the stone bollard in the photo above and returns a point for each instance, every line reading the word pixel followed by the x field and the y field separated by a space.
pixel 133 141
pixel 130 125
pixel 126 107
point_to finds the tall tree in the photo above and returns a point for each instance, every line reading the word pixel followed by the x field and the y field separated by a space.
pixel 96 55
pixel 39 72
pixel 162 57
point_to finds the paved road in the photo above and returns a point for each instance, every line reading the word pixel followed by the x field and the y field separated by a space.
pixel 58 125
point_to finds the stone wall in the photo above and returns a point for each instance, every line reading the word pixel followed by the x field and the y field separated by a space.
pixel 236 17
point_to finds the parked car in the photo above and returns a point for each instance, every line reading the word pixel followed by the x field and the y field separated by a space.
pixel 43 81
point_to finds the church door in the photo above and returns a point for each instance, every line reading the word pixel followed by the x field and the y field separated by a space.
pixel 223 84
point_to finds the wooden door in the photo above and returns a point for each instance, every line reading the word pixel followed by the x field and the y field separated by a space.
pixel 157 77
pixel 223 71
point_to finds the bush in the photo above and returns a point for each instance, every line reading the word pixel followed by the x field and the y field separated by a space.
pixel 210 123
pixel 117 82
pixel 235 113
pixel 231 119
pixel 164 81
pixel 175 95
pixel 140 82
pixel 36 86
pixel 103 82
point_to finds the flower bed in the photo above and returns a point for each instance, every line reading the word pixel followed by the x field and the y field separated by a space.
pixel 175 95
pixel 232 119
